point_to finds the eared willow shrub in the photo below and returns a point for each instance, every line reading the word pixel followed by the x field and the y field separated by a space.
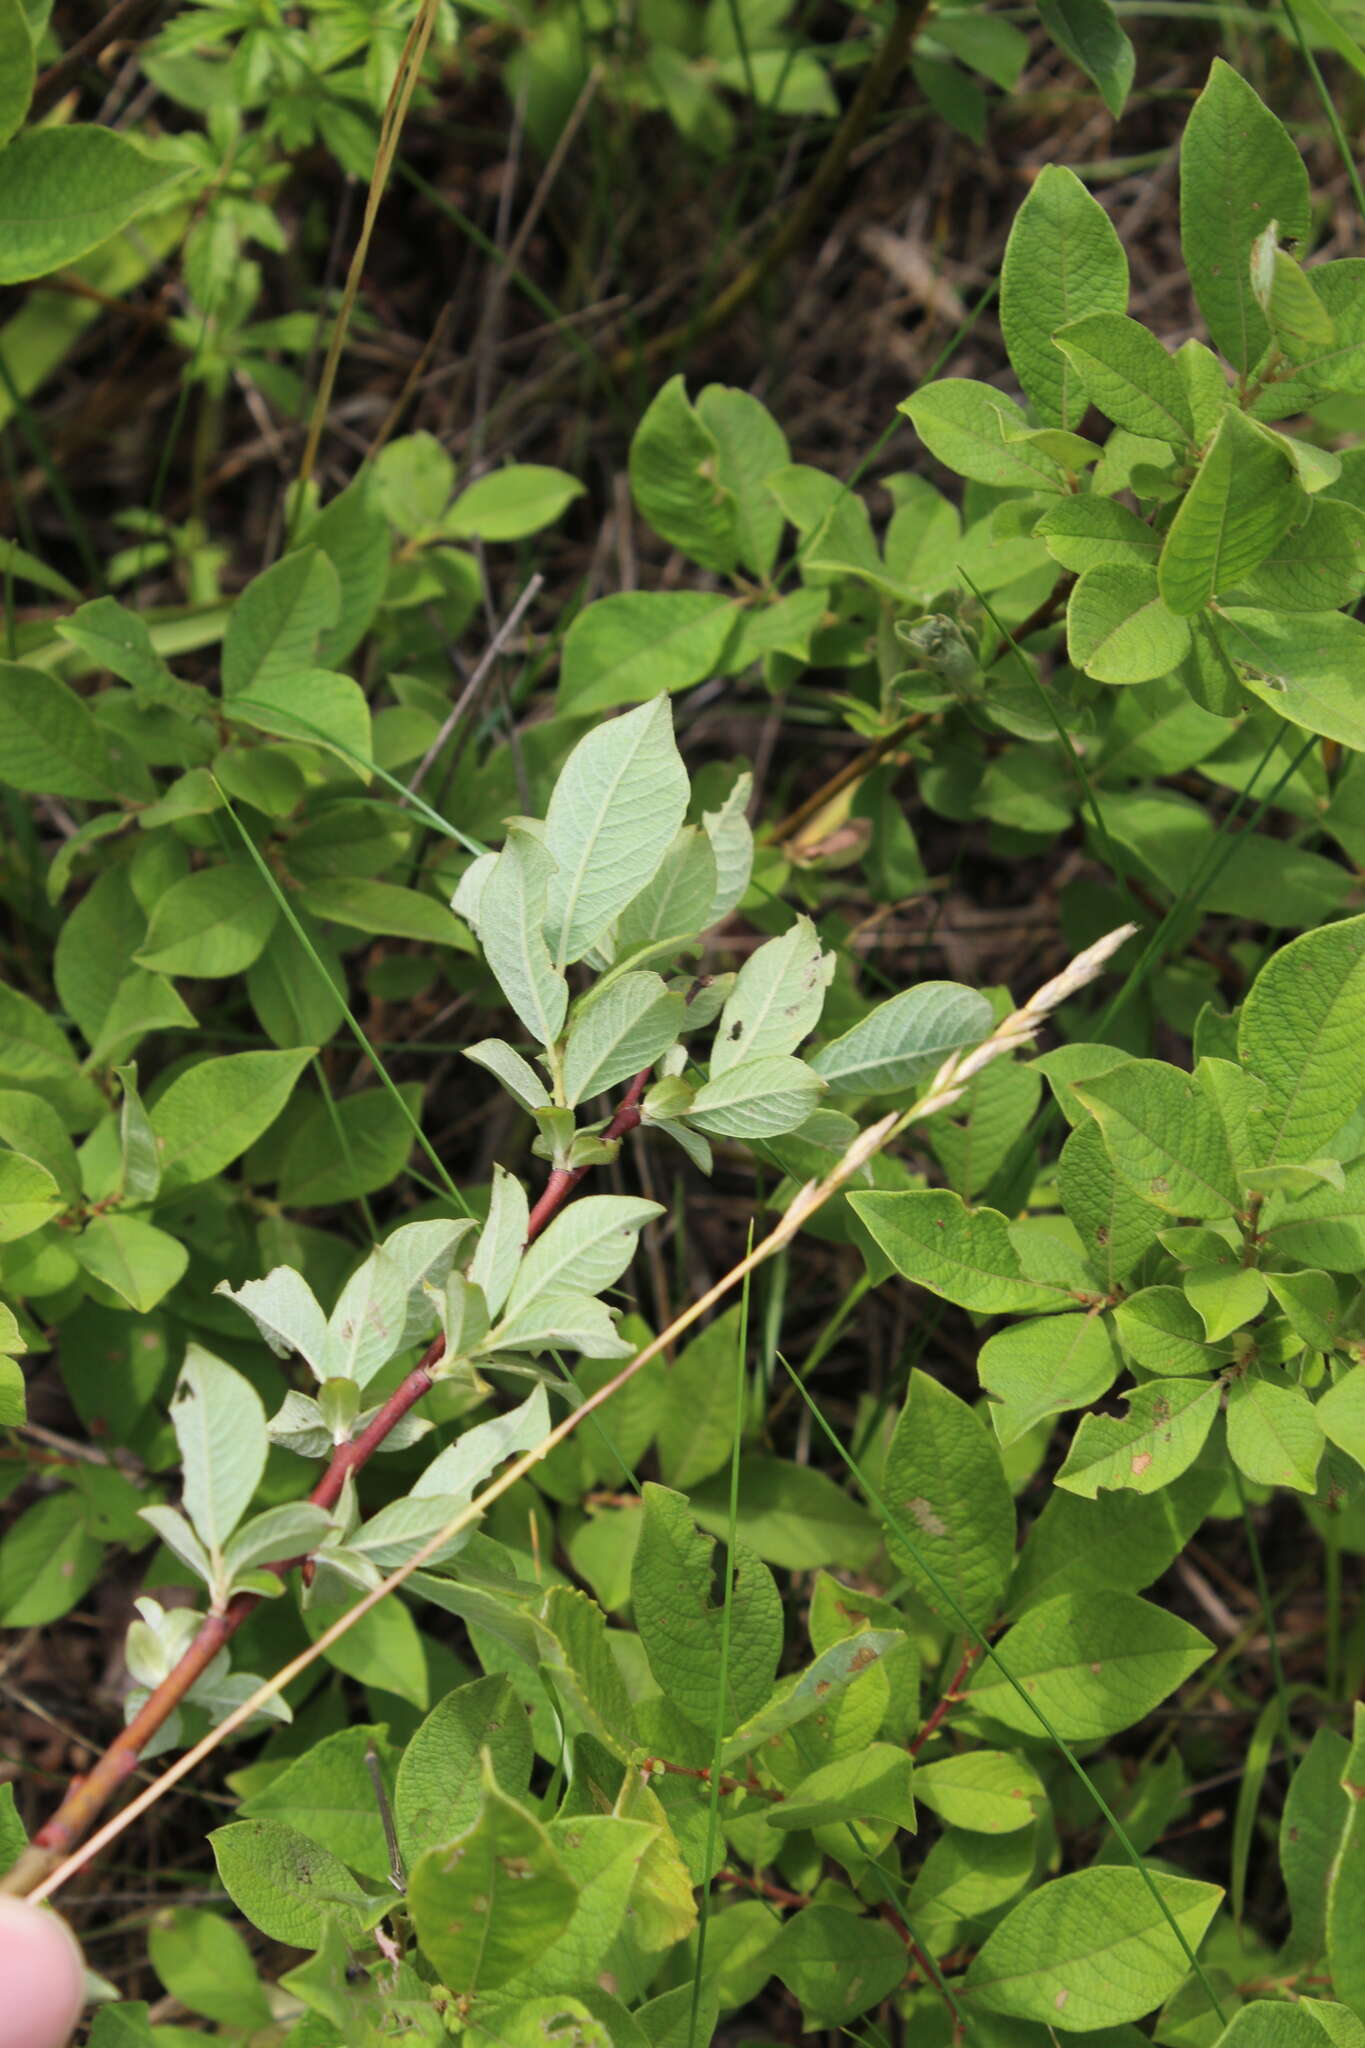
pixel 880 1741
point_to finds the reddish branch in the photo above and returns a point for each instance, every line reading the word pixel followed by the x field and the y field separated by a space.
pixel 564 1180
pixel 88 1796
pixel 948 1701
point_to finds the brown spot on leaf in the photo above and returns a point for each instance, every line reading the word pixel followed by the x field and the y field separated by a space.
pixel 932 1524
pixel 1141 1460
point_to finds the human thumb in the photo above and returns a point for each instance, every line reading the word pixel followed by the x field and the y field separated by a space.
pixel 42 1978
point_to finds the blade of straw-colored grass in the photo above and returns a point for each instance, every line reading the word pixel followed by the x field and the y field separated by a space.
pixel 946 1087
pixel 391 127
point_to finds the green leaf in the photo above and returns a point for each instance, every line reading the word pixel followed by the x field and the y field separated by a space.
pixel 1094 1661
pixel 984 1791
pixel 121 641
pixel 1164 1134
pixel 328 1794
pixel 1225 1297
pixel 1127 373
pixel 509 504
pixel 439 1785
pixel 750 447
pixel 947 1490
pixel 789 1515
pixel 517 1076
pixel 1082 533
pixel 873 1784
pixel 354 536
pixel 904 1040
pixel 286 1885
pixel 29 1197
pixel 349 1148
pixel 1161 1435
pixel 1063 259
pixel 94 947
pixel 818 1689
pixel 963 1883
pixel 66 190
pixel 140 1263
pixel 1315 1811
pixel 962 423
pixel 603 1856
pixel 695 1430
pixel 577 1662
pixel 1307 668
pixel 675 480
pixel 48 1562
pixel 386 908
pixel 275 627
pixel 13 1406
pixel 1311 1306
pixel 776 1000
pixel 1300 1033
pixel 586 1248
pixel 383 1650
pixel 838 1964
pixel 1239 170
pixel 1125 1540
pixel 677 902
pixel 1325 1228
pixel 1244 498
pixel 1341 1413
pixel 1346 1883
pixel 16 67
pixel 1089 33
pixel 220 1428
pixel 1316 565
pixel 1119 629
pixel 616 808
pixel 625 649
pixel 1091 1950
pixel 49 743
pixel 1043 1367
pixel 212 923
pixel 490 1901
pixel 966 1255
pixel 203 1962
pixel 382 1305
pixel 210 1114
pixel 295 1004
pixel 561 1317
pixel 1116 1226
pixel 312 704
pixel 511 918
pixel 761 1099
pixel 626 1030
pixel 1274 1435
pixel 679 1612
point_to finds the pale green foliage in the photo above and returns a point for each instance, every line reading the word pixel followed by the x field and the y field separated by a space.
pixel 825 1695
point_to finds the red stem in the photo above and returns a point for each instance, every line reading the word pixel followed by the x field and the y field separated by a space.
pixel 564 1180
pixel 88 1796
pixel 949 1700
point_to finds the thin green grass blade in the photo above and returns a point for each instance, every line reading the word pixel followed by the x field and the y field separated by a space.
pixel 1077 764
pixel 713 1811
pixel 357 1031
